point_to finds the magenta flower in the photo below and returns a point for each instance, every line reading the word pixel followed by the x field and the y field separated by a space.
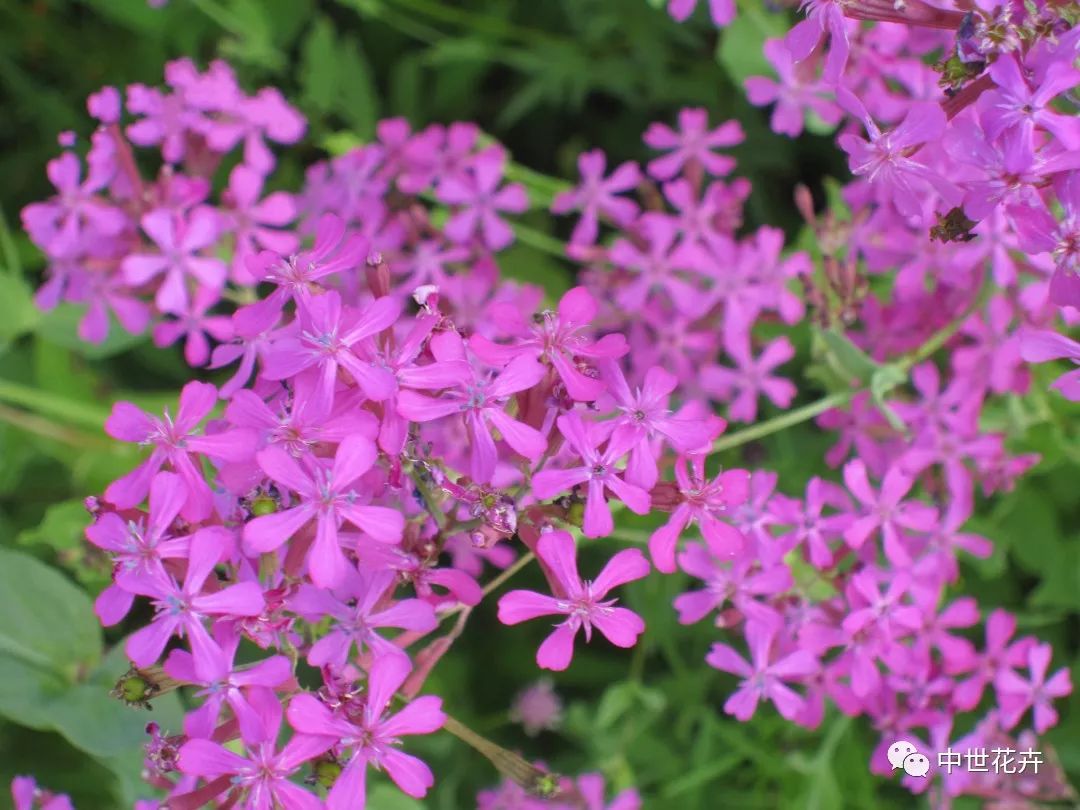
pixel 751 377
pixel 328 333
pixel 887 158
pixel 256 223
pixel 645 420
pixel 182 609
pixel 598 470
pixel 764 675
pixel 823 17
pixel 359 608
pixel 62 225
pixel 373 735
pixel 195 324
pixel 480 400
pixel 260 778
pixel 797 92
pixel 1040 231
pixel 582 602
pixel 1016 695
pixel 482 200
pixel 213 668
pixel 1043 346
pixel 1001 651
pixel 1013 103
pixel 740 581
pixel 809 525
pixel 885 511
pixel 721 11
pixel 298 276
pixel 300 427
pixel 707 502
pixel 181 242
pixel 660 266
pixel 596 196
pixel 139 546
pixel 558 338
pixel 693 143
pixel 327 495
pixel 26 795
pixel 174 443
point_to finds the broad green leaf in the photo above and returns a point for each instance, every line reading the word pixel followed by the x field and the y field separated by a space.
pixel 358 102
pixel 18 314
pixel 319 71
pixel 741 43
pixel 48 622
pixel 61 528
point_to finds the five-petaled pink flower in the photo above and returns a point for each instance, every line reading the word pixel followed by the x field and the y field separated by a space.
pixel 328 494
pixel 581 601
pixel 598 470
pixel 372 735
pixel 764 675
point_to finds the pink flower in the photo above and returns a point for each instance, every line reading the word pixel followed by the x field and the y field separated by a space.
pixel 1043 346
pixel 260 776
pixel 26 795
pixel 1016 695
pixel 886 510
pixel 182 609
pixel 887 158
pixel 480 400
pixel 139 546
pixel 743 384
pixel 596 196
pixel 693 142
pixel 764 675
pixel 582 602
pixel 174 443
pixel 328 334
pixel 1013 103
pixel 645 419
pixel 63 225
pixel 213 668
pixel 598 470
pixel 298 276
pixel 372 735
pixel 327 495
pixel 722 11
pixel 560 338
pixel 195 325
pixel 358 608
pixel 796 93
pixel 704 501
pixel 255 223
pixel 479 193
pixel 181 242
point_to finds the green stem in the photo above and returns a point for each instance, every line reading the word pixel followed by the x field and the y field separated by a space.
pixel 783 421
pixel 42 402
pixel 539 240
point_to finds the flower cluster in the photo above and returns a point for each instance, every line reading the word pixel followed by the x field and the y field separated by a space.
pixel 401 420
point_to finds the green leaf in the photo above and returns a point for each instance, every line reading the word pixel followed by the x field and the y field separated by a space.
pixel 358 100
pixel 319 76
pixel 61 528
pixel 846 357
pixel 61 326
pixel 18 314
pixel 48 622
pixel 740 49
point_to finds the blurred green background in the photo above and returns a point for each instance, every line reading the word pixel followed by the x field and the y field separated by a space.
pixel 549 79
